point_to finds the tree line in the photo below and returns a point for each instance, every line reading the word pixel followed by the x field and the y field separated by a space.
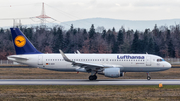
pixel 163 41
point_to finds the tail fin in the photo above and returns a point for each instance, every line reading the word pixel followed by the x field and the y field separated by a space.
pixel 21 43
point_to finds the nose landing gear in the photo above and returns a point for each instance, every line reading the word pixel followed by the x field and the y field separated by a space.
pixel 148 76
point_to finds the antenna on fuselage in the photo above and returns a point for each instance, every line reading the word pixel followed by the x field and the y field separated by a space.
pixel 146 53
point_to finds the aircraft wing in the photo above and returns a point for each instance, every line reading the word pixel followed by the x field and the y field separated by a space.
pixel 87 65
pixel 82 64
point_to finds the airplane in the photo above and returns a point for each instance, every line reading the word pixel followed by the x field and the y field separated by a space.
pixel 109 65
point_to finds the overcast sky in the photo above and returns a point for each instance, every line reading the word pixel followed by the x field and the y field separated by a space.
pixel 67 10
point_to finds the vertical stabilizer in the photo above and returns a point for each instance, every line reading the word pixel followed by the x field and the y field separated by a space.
pixel 22 44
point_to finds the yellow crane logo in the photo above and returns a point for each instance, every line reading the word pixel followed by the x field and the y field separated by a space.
pixel 20 41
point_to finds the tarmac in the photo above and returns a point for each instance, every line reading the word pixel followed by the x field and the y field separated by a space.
pixel 87 82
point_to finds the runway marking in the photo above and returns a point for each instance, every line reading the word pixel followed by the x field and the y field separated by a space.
pixel 87 82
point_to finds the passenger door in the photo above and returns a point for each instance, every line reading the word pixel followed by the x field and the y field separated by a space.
pixel 40 60
pixel 148 61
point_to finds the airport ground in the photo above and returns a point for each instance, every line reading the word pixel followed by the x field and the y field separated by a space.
pixel 85 92
pixel 89 93
pixel 37 73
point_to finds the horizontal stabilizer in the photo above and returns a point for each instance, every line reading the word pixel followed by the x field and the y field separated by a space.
pixel 20 58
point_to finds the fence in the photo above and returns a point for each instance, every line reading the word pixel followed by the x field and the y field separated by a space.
pixel 7 62
pixel 173 61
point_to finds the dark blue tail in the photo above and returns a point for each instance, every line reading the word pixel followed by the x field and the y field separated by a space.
pixel 22 44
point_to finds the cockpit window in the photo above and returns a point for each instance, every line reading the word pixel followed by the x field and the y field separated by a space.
pixel 159 60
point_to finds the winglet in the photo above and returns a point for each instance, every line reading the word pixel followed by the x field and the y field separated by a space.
pixel 78 52
pixel 64 56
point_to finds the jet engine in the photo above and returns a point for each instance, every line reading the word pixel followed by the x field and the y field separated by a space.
pixel 112 72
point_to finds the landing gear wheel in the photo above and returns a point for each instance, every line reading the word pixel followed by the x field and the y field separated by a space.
pixel 148 78
pixel 92 77
pixel 95 77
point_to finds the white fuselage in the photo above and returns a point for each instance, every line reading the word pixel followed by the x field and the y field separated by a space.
pixel 127 62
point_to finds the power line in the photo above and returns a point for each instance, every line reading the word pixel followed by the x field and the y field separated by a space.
pixel 43 17
pixel 17 5
pixel 69 15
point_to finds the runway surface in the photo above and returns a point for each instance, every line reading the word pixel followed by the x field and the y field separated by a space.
pixel 87 82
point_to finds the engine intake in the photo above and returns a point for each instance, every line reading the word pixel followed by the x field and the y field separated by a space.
pixel 113 72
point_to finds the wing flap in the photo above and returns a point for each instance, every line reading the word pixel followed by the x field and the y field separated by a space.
pixel 84 64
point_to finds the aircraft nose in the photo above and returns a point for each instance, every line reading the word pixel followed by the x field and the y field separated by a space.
pixel 168 65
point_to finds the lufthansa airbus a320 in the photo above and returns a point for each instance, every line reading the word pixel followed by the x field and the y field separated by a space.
pixel 109 65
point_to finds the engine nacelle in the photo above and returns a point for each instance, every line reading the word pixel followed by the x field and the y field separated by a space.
pixel 113 72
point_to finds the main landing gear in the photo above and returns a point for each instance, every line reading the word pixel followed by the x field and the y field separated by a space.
pixel 148 76
pixel 92 77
